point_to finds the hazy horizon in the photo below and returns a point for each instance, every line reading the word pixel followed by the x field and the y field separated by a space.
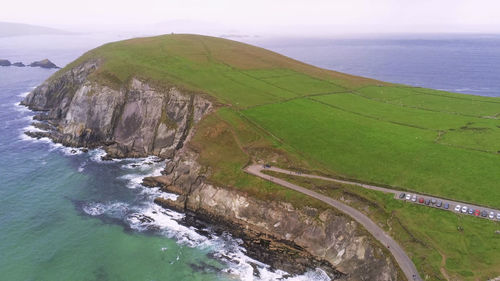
pixel 288 18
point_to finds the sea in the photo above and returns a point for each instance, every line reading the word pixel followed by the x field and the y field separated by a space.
pixel 67 215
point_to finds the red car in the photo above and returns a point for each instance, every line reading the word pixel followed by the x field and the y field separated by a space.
pixel 421 200
pixel 477 213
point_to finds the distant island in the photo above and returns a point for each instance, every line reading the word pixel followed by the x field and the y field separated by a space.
pixel 45 63
pixel 8 29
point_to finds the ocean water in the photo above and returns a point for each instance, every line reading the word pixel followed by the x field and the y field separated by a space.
pixel 67 215
pixel 468 64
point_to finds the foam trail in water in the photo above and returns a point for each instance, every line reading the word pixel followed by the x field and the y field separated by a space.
pixel 149 216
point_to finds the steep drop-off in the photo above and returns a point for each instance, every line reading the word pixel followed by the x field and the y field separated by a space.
pixel 135 117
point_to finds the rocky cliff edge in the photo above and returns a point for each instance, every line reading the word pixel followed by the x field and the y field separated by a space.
pixel 139 120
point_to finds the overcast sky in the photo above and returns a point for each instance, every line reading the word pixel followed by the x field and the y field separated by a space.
pixel 262 16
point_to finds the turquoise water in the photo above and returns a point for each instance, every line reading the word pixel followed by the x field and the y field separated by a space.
pixel 67 215
pixel 70 217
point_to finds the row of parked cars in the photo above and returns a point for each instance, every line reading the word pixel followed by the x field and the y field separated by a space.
pixel 440 204
pixel 476 212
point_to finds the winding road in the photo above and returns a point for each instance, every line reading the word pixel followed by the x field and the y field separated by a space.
pixel 399 254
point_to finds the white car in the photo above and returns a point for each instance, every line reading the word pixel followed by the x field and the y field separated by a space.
pixel 464 209
pixel 457 208
pixel 498 216
pixel 414 198
pixel 408 196
pixel 492 215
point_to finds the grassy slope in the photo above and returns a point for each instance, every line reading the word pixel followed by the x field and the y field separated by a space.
pixel 462 246
pixel 276 109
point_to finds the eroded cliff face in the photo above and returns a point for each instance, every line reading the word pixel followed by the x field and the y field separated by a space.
pixel 301 238
pixel 139 120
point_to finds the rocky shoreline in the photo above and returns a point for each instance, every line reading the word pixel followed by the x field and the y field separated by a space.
pixel 45 63
pixel 140 120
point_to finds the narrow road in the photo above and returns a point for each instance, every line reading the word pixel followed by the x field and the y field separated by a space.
pixel 452 203
pixel 399 254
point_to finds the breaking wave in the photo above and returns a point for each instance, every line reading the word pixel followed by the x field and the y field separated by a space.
pixel 143 215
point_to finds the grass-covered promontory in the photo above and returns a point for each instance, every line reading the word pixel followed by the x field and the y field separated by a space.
pixel 276 109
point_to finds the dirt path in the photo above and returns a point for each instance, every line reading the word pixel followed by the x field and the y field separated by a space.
pixel 399 254
pixel 442 269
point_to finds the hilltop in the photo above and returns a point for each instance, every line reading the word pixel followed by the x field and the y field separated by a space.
pixel 214 105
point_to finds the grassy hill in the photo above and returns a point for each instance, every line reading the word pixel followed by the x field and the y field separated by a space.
pixel 276 109
pixel 424 140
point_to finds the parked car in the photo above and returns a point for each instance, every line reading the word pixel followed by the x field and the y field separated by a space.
pixel 414 198
pixel 457 208
pixel 433 201
pixel 484 214
pixel 408 196
pixel 470 211
pixel 492 215
pixel 477 213
pixel 421 200
pixel 439 204
pixel 498 216
pixel 464 209
pixel 446 206
pixel 401 196
pixel 427 202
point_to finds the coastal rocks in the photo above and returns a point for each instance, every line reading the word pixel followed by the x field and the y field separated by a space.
pixel 135 121
pixel 43 64
pixel 274 232
pixel 4 62
pixel 139 119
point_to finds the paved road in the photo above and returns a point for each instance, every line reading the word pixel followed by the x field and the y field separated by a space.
pixel 399 254
pixel 393 191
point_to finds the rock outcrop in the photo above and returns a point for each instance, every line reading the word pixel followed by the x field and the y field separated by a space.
pixel 301 238
pixel 135 121
pixel 4 62
pixel 43 64
pixel 18 64
pixel 139 119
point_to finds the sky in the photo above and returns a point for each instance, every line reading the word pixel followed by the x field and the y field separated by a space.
pixel 262 16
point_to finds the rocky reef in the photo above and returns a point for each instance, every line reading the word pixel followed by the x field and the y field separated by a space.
pixel 139 119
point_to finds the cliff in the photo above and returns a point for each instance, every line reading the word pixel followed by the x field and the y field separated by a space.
pixel 299 238
pixel 133 117
pixel 134 121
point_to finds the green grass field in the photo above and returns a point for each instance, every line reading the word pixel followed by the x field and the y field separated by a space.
pixel 439 243
pixel 274 109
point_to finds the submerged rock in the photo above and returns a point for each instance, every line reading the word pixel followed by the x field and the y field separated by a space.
pixel 43 64
pixel 4 62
